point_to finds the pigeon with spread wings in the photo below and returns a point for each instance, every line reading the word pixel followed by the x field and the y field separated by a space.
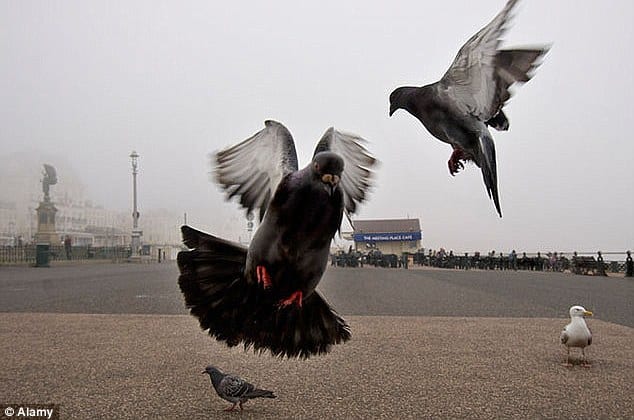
pixel 264 295
pixel 470 96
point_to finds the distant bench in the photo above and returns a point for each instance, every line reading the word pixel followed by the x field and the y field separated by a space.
pixel 587 265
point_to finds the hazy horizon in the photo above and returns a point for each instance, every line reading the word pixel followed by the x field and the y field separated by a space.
pixel 92 81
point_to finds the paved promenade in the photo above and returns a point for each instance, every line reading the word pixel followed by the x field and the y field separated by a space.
pixel 113 341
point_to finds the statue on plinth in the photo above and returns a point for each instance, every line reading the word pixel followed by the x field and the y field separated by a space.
pixel 46 232
pixel 49 178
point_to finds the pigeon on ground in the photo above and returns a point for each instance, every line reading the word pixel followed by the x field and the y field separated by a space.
pixel 264 295
pixel 577 333
pixel 234 389
pixel 471 95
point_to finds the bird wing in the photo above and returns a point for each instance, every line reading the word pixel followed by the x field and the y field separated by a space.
pixel 589 336
pixel 357 170
pixel 472 81
pixel 235 387
pixel 252 169
pixel 564 336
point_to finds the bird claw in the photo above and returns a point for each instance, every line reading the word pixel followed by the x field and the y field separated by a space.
pixel 263 277
pixel 455 167
pixel 230 408
pixel 295 297
pixel 454 163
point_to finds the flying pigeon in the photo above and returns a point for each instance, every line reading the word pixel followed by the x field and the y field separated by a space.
pixel 470 96
pixel 234 389
pixel 264 295
pixel 577 333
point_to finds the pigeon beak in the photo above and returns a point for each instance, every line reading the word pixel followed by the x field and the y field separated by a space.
pixel 587 313
pixel 203 372
pixel 330 182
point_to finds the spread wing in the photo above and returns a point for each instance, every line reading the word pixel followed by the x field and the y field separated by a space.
pixel 252 169
pixel 357 168
pixel 478 80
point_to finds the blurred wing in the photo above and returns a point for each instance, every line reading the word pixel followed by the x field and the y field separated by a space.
pixel 472 79
pixel 251 170
pixel 357 169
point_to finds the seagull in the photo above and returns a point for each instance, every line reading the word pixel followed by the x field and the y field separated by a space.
pixel 234 389
pixel 264 295
pixel 470 96
pixel 577 333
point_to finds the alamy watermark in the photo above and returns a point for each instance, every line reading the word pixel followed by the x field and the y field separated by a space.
pixel 29 411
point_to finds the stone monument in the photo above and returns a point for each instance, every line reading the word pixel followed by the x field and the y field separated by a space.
pixel 46 232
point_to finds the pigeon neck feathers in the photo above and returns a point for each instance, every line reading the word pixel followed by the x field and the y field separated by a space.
pixel 216 376
pixel 402 98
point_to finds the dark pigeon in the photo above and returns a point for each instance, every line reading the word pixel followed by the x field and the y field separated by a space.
pixel 470 96
pixel 234 389
pixel 264 296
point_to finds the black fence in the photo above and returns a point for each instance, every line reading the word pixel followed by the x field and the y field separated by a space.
pixel 27 254
pixel 557 262
pixel 575 263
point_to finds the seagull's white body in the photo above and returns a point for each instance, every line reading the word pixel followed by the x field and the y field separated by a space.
pixel 577 333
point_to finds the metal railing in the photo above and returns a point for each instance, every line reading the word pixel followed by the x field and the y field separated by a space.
pixel 26 254
pixel 599 263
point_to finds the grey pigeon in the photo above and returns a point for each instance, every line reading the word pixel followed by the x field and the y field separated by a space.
pixel 470 96
pixel 577 333
pixel 234 389
pixel 264 296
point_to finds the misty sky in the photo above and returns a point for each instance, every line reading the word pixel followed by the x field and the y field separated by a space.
pixel 89 81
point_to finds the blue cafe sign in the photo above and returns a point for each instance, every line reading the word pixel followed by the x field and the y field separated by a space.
pixel 385 237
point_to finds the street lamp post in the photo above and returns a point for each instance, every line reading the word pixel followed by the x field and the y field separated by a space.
pixel 135 242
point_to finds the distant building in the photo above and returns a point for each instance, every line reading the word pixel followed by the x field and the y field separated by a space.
pixel 390 236
pixel 161 227
pixel 78 218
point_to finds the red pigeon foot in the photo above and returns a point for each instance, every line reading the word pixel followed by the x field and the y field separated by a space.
pixel 263 276
pixel 295 297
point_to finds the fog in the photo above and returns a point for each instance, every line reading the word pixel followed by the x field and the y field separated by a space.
pixel 88 82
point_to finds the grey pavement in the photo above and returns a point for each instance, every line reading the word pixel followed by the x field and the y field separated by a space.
pixel 114 341
pixel 147 367
pixel 153 289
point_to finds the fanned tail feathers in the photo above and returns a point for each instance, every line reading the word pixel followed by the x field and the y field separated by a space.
pixel 212 283
pixel 235 311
